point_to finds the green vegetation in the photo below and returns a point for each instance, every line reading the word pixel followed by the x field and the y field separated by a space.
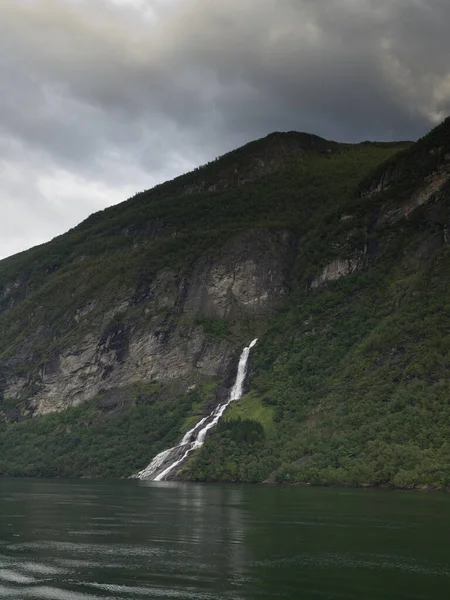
pixel 202 397
pixel 125 247
pixel 214 328
pixel 349 380
pixel 235 452
pixel 253 408
pixel 113 435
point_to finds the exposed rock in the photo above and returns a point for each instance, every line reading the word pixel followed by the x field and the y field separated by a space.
pixel 9 288
pixel 387 178
pixel 84 310
pixel 97 364
pixel 247 278
pixel 11 292
pixel 339 268
pixel 435 184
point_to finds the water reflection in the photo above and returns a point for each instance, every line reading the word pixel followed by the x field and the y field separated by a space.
pixel 90 540
pixel 210 518
pixel 97 540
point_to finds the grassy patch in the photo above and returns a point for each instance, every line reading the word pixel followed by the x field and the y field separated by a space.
pixel 252 407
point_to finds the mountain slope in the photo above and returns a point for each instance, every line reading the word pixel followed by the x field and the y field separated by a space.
pixel 333 255
pixel 357 371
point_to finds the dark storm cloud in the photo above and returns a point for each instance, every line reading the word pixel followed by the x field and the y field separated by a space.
pixel 101 98
pixel 346 69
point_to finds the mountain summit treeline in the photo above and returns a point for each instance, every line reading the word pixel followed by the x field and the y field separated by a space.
pixel 116 337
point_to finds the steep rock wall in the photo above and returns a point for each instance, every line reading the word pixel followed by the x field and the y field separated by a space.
pixel 247 278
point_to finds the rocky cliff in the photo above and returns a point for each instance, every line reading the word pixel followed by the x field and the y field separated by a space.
pixel 246 278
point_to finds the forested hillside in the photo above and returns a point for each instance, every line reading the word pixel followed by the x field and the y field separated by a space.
pixel 117 336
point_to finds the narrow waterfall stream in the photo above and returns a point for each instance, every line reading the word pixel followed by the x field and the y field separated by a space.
pixel 165 462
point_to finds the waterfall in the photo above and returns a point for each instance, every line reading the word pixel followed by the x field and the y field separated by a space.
pixel 165 462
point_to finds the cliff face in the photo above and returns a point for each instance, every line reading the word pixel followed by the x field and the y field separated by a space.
pixel 246 278
pixel 118 336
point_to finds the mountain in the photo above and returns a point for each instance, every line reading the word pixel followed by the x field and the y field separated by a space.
pixel 117 337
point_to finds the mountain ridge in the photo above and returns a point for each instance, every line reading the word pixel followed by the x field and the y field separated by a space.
pixel 135 319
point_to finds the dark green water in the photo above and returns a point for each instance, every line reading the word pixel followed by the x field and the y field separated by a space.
pixel 84 540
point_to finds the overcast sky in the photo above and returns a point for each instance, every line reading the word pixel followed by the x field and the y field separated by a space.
pixel 103 98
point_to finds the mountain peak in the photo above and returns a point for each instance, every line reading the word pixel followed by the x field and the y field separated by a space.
pixel 250 162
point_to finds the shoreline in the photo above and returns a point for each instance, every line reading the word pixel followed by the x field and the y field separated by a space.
pixel 364 486
pixel 371 486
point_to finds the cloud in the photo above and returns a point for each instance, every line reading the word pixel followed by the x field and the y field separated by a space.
pixel 102 98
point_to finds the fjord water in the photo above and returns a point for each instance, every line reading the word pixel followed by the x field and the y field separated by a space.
pixel 86 540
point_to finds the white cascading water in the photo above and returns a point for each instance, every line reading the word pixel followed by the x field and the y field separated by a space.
pixel 195 437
